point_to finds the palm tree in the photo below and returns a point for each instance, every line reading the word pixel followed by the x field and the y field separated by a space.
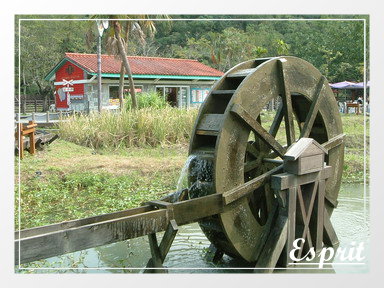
pixel 118 36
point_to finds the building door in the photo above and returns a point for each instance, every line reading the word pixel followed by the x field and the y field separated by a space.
pixel 62 99
pixel 176 96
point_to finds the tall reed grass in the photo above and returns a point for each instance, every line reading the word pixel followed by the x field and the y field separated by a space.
pixel 140 128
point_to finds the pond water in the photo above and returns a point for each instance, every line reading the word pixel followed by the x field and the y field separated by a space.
pixel 188 253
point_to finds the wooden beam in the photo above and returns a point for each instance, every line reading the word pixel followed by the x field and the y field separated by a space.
pixel 159 252
pixel 276 121
pixel 274 246
pixel 250 165
pixel 311 116
pixel 87 236
pixel 330 237
pixel 248 187
pixel 43 242
pixel 287 104
pixel 80 222
pixel 320 216
pixel 286 180
pixel 263 134
pixel 334 142
pixel 252 150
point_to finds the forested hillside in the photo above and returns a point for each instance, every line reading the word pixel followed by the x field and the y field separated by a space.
pixel 336 47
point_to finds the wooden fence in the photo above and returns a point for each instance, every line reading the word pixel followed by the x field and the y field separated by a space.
pixel 32 105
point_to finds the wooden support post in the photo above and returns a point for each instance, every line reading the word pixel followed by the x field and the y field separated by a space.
pixel 319 219
pixel 28 130
pixel 214 254
pixel 330 237
pixel 32 148
pixel 275 244
pixel 20 139
pixel 292 199
pixel 159 252
pixel 300 192
pixel 155 261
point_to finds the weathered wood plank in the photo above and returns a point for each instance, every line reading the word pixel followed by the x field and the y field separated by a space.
pixel 286 180
pixel 272 216
pixel 189 211
pixel 93 235
pixel 292 199
pixel 156 261
pixel 59 242
pixel 210 122
pixel 252 150
pixel 248 187
pixel 78 223
pixel 287 104
pixel 334 142
pixel 159 253
pixel 330 237
pixel 274 246
pixel 276 121
pixel 263 134
pixel 168 238
pixel 241 73
pixel 251 165
pixel 320 216
pixel 311 116
pixel 223 92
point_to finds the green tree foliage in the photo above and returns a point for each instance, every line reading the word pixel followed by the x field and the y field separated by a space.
pixel 42 45
pixel 336 48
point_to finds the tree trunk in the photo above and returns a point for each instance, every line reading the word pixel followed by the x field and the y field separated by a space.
pixel 23 103
pixel 124 59
pixel 121 87
pixel 41 93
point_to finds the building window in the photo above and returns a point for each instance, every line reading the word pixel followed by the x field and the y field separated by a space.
pixel 198 95
pixel 114 91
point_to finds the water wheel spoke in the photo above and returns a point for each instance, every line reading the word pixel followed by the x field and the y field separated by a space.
pixel 312 113
pixel 272 161
pixel 250 186
pixel 276 121
pixel 287 105
pixel 251 149
pixel 251 165
pixel 262 134
pixel 333 142
pixel 268 196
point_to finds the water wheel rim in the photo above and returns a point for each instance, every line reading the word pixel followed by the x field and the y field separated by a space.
pixel 243 235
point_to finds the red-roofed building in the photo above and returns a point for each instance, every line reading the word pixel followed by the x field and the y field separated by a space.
pixel 183 82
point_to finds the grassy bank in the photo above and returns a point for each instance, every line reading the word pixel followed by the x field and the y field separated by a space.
pixel 144 127
pixel 69 181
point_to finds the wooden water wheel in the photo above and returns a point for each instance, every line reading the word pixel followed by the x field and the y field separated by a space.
pixel 237 142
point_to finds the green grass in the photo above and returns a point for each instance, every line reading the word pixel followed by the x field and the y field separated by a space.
pixel 68 181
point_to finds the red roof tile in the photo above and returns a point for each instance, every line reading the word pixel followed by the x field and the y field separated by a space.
pixel 144 65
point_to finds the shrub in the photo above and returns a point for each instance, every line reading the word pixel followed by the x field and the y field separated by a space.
pixel 147 100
